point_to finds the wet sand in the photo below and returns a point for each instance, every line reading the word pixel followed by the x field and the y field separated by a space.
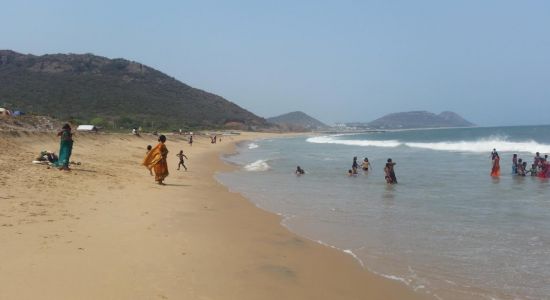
pixel 105 230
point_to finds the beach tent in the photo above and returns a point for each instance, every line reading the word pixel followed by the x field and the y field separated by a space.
pixel 4 112
pixel 86 128
pixel 18 113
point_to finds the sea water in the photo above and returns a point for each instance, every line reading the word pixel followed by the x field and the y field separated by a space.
pixel 447 228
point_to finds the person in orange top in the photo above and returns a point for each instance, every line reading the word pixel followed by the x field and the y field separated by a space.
pixel 156 160
pixel 495 171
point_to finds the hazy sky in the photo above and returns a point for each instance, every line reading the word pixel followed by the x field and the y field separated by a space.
pixel 336 60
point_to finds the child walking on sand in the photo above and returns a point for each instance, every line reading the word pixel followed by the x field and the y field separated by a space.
pixel 149 147
pixel 181 163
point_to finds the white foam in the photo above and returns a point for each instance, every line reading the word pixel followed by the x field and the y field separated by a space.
pixel 257 166
pixel 502 144
pixel 484 145
pixel 354 256
pixel 253 146
pixel 363 143
pixel 396 278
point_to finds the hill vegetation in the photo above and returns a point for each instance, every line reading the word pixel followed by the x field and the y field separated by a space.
pixel 297 121
pixel 112 93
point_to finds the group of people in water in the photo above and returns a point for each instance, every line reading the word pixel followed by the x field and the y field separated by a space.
pixel 540 166
pixel 389 171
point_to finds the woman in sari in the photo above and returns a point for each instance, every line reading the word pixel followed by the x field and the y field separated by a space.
pixel 156 160
pixel 65 148
pixel 495 171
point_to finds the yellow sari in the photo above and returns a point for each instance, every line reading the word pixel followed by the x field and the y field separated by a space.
pixel 156 160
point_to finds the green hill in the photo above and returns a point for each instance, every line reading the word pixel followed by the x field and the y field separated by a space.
pixel 111 93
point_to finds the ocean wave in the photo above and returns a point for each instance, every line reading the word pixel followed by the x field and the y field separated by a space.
pixel 253 146
pixel 502 144
pixel 364 143
pixel 257 166
pixel 481 146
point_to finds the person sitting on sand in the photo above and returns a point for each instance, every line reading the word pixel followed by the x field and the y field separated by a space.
pixel 156 160
pixel 299 171
pixel 365 165
pixel 181 163
pixel 47 156
pixel 52 158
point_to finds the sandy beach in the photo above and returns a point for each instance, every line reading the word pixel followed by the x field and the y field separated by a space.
pixel 105 230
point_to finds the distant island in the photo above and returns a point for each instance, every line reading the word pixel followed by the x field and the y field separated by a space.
pixel 297 121
pixel 415 119
pixel 112 93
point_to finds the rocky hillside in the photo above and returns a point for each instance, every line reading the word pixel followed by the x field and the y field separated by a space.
pixel 111 93
pixel 419 119
pixel 297 121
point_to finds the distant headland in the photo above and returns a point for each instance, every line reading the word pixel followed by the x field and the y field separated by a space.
pixel 415 119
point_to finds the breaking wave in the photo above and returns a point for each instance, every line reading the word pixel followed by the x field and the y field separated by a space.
pixel 477 146
pixel 253 146
pixel 364 143
pixel 257 166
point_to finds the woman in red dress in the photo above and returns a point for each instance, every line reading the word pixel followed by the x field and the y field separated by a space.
pixel 495 171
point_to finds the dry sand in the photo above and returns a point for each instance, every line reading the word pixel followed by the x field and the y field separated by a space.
pixel 105 230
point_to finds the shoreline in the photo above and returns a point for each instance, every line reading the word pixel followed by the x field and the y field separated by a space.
pixel 105 230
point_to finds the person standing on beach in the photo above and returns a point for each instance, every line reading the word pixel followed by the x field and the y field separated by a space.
pixel 495 171
pixel 191 140
pixel 156 160
pixel 181 163
pixel 149 147
pixel 65 148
